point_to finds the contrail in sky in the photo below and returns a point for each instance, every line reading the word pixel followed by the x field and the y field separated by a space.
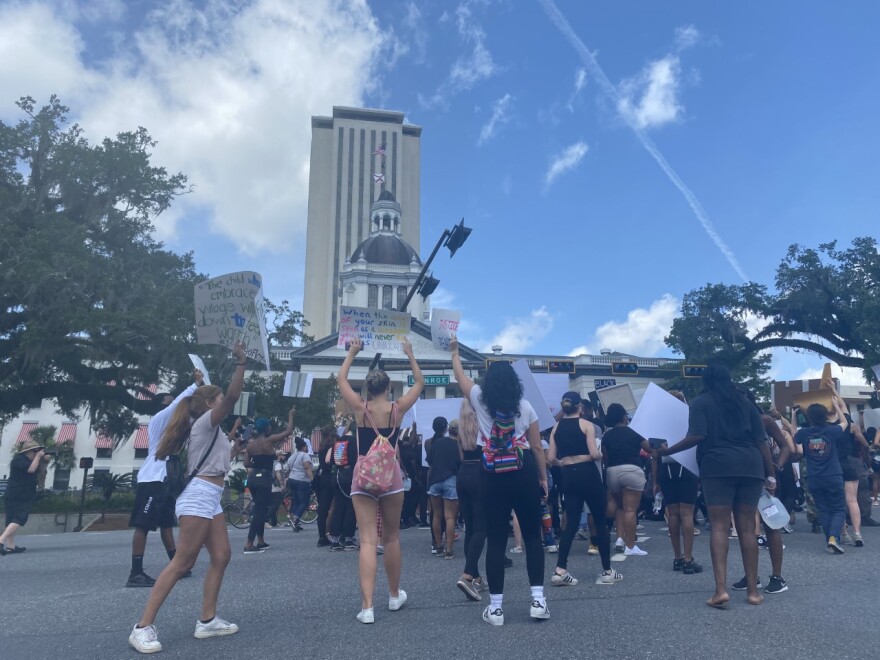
pixel 593 66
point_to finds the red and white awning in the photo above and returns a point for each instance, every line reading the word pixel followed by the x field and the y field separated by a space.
pixel 67 433
pixel 316 437
pixel 103 442
pixel 25 434
pixel 142 438
pixel 286 444
pixel 152 390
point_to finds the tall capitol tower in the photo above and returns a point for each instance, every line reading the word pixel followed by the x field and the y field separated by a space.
pixel 357 154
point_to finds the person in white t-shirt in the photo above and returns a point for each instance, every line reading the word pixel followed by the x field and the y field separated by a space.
pixel 514 477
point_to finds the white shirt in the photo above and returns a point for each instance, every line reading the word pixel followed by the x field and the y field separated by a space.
pixel 485 421
pixel 152 469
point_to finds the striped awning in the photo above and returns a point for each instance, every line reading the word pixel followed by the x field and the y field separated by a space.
pixel 316 437
pixel 67 433
pixel 25 433
pixel 142 438
pixel 286 444
pixel 143 397
pixel 103 442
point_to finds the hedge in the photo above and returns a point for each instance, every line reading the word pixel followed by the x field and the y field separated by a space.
pixel 69 502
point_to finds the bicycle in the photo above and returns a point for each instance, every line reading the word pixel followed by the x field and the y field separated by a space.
pixel 310 515
pixel 238 511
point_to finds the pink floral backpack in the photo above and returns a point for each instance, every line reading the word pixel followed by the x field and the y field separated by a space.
pixel 375 472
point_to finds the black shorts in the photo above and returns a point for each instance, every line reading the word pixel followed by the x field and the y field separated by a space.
pixel 677 483
pixel 853 468
pixel 727 491
pixel 152 507
pixel 17 511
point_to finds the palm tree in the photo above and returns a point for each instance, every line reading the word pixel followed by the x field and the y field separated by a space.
pixel 107 484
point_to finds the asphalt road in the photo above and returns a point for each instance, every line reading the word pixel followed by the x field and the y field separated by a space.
pixel 64 598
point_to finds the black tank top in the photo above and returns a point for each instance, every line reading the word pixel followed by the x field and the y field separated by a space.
pixel 570 439
pixel 263 461
pixel 366 434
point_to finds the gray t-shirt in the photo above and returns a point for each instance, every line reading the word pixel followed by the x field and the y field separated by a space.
pixel 217 463
pixel 296 466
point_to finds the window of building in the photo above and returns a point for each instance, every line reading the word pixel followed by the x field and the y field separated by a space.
pixel 104 453
pixel 61 480
pixel 386 297
pixel 373 297
pixel 401 295
pixel 141 453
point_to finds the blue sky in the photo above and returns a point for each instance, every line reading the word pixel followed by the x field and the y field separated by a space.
pixel 766 113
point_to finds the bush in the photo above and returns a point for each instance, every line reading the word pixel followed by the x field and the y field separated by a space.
pixel 48 502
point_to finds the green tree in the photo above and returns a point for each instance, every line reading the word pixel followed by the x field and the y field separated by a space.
pixel 315 411
pixel 107 484
pixel 63 457
pixel 825 301
pixel 93 309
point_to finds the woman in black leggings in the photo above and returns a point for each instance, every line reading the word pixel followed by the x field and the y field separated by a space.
pixel 470 499
pixel 573 443
pixel 514 477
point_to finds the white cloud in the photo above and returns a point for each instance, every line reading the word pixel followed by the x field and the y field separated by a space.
pixel 414 22
pixel 227 90
pixel 520 334
pixel 564 161
pixel 497 120
pixel 580 79
pixel 474 65
pixel 847 375
pixel 686 36
pixel 650 99
pixel 641 334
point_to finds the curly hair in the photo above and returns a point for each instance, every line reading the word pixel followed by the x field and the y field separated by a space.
pixel 616 414
pixel 502 389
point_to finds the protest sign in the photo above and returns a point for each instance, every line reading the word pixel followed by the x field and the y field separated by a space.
pixel 532 394
pixel 230 308
pixel 872 418
pixel 424 412
pixel 553 387
pixel 444 324
pixel 622 394
pixel 381 330
pixel 661 415
pixel 298 384
pixel 200 365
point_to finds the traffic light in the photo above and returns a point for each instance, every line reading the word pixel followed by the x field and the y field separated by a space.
pixel 457 237
pixel 560 366
pixel 693 370
pixel 624 369
pixel 426 288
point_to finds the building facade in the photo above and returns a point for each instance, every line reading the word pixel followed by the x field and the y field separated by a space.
pixel 356 155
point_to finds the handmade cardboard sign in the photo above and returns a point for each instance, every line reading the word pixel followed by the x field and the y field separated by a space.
pixel 444 324
pixel 230 308
pixel 622 394
pixel 532 394
pixel 381 330
pixel 200 365
pixel 660 415
pixel 297 384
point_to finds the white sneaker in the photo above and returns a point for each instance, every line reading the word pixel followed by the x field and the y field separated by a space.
pixel 395 604
pixel 634 551
pixel 366 616
pixel 145 640
pixel 618 545
pixel 216 627
pixel 494 617
pixel 567 580
pixel 516 550
pixel 551 549
pixel 611 577
pixel 539 611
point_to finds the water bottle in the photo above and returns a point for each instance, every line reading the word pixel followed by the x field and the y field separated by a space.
pixel 658 503
pixel 773 512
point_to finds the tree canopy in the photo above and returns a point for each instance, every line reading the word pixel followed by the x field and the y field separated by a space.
pixel 826 301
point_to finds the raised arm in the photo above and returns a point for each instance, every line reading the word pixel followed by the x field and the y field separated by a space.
pixel 464 382
pixel 352 398
pixel 837 402
pixel 409 399
pixel 278 437
pixel 224 408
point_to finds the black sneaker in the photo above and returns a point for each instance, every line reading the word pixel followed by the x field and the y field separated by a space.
pixel 691 567
pixel 776 585
pixel 741 585
pixel 253 550
pixel 336 546
pixel 140 580
pixel 323 543
pixel 350 544
pixel 677 564
pixel 508 562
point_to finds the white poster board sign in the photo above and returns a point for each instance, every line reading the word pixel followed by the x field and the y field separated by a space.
pixel 424 412
pixel 532 394
pixel 297 384
pixel 872 418
pixel 622 394
pixel 199 364
pixel 553 387
pixel 381 330
pixel 661 415
pixel 230 308
pixel 444 324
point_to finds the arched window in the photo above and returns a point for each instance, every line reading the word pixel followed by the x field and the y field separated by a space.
pixel 386 297
pixel 386 222
pixel 373 297
pixel 401 295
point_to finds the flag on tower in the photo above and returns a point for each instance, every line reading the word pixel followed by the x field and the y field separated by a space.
pixel 379 178
pixel 379 151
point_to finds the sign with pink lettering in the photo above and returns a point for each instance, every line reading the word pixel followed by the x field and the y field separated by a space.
pixel 444 324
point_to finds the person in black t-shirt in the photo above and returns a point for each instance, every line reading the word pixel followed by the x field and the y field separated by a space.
pixel 444 459
pixel 21 492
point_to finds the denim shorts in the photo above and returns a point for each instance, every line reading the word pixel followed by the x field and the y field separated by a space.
pixel 445 489
pixel 200 498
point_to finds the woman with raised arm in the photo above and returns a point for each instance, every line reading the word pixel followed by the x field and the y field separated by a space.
pixel 196 424
pixel 514 477
pixel 376 409
pixel 260 457
pixel 573 443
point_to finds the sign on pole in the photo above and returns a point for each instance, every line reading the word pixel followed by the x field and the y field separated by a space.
pixel 381 330
pixel 200 365
pixel 230 308
pixel 444 324
pixel 429 380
